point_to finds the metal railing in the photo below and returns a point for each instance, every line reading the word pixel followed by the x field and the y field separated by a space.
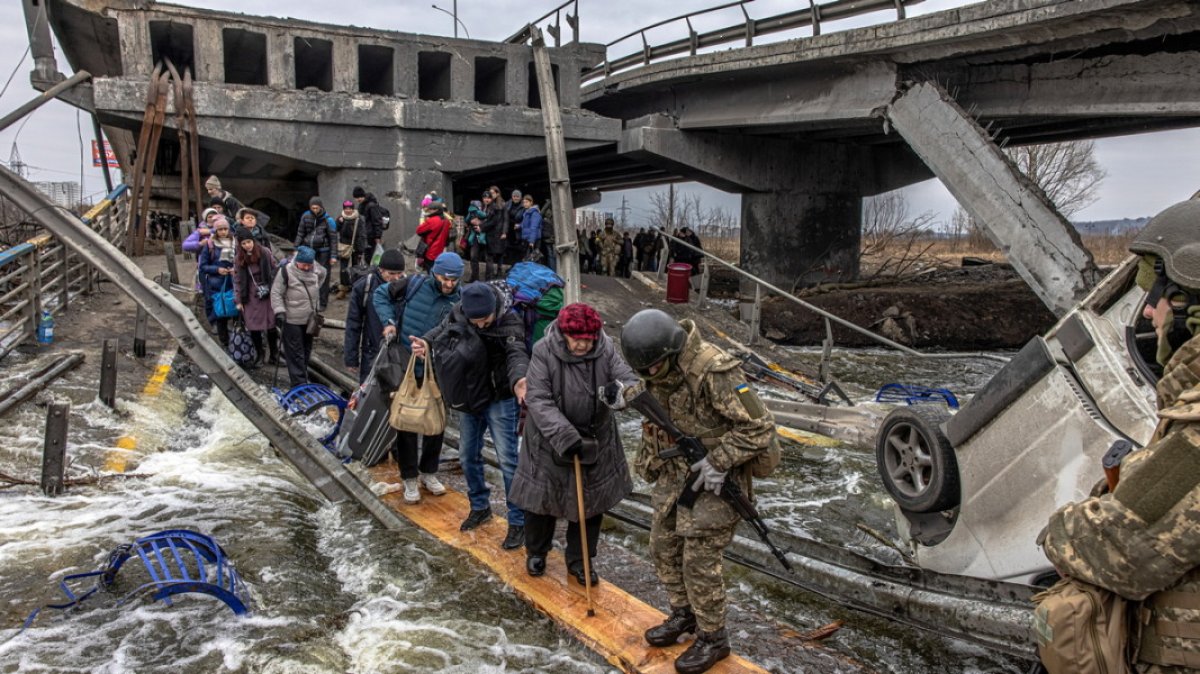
pixel 555 28
pixel 745 31
pixel 43 274
pixel 830 319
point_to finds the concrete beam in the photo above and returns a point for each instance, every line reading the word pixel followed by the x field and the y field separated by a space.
pixel 742 163
pixel 1119 85
pixel 1039 242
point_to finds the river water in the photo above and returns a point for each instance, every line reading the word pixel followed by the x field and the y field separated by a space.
pixel 334 593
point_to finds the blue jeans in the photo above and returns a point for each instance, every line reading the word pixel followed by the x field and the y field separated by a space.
pixel 501 418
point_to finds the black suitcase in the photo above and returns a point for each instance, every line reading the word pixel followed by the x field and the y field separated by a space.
pixel 366 435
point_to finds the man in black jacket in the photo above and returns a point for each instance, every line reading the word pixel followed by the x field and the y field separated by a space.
pixel 364 329
pixel 318 230
pixel 479 352
pixel 369 208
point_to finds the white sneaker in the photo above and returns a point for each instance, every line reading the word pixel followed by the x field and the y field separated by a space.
pixel 412 494
pixel 431 483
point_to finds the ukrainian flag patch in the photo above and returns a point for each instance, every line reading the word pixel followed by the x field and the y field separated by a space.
pixel 750 401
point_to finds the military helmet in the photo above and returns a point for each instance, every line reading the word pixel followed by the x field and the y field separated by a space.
pixel 650 336
pixel 1174 236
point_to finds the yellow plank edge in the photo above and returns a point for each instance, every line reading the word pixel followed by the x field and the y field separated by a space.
pixel 117 460
pixel 615 632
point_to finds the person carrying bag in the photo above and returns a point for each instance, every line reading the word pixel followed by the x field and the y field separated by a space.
pixel 417 406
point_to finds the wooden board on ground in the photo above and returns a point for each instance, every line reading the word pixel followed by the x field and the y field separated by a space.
pixel 615 632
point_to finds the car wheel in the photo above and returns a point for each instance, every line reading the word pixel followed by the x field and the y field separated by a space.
pixel 916 461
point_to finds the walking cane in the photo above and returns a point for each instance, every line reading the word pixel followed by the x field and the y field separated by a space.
pixel 587 564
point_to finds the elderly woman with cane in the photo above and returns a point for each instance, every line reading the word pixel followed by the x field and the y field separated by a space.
pixel 571 464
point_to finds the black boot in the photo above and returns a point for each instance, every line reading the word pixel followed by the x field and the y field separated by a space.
pixel 476 518
pixel 576 570
pixel 515 537
pixel 535 565
pixel 681 621
pixel 708 649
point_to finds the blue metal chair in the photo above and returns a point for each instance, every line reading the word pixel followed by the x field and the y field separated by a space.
pixel 915 394
pixel 305 398
pixel 177 561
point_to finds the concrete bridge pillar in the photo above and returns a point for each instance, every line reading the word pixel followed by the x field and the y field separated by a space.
pixel 801 202
pixel 802 235
pixel 400 191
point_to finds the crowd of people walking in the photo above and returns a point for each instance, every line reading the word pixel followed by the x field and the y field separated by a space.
pixel 502 354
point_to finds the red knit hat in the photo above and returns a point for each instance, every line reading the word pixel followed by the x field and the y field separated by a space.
pixel 580 321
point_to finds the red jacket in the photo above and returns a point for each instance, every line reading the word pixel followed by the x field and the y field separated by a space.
pixel 435 232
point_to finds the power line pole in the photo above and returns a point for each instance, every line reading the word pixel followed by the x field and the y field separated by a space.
pixel 671 208
pixel 624 209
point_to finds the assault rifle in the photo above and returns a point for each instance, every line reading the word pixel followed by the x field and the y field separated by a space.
pixel 692 450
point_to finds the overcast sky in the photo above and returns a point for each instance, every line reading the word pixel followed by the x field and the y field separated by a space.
pixel 1146 172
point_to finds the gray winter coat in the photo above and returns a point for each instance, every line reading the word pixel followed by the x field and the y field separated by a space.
pixel 563 405
pixel 299 298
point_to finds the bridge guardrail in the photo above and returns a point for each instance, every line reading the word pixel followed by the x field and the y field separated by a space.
pixel 814 15
pixel 756 311
pixel 42 273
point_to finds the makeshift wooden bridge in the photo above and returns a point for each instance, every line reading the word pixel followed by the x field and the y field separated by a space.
pixel 615 632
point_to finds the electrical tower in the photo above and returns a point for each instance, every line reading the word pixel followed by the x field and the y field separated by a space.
pixel 14 162
pixel 624 209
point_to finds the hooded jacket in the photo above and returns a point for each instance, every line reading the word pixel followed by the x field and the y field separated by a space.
pixel 531 225
pixel 317 231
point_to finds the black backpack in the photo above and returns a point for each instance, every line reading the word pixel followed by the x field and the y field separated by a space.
pixel 385 216
pixel 457 355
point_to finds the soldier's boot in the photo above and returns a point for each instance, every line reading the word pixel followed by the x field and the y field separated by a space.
pixel 707 650
pixel 681 621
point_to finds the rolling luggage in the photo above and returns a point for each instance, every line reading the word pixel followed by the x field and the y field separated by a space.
pixel 366 435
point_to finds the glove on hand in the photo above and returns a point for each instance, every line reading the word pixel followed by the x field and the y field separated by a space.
pixel 710 478
pixel 573 451
pixel 613 395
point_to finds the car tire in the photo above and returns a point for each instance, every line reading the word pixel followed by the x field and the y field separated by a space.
pixel 916 461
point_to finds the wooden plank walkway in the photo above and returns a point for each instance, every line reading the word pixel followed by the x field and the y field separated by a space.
pixel 615 632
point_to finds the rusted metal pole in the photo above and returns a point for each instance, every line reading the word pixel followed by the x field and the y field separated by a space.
pixel 108 373
pixel 54 451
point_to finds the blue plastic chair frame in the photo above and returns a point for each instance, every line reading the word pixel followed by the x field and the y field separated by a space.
pixel 305 398
pixel 170 573
pixel 915 394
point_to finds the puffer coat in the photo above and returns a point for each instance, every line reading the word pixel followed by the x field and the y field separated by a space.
pixel 563 406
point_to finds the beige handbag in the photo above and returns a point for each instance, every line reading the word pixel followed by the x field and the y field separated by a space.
pixel 418 409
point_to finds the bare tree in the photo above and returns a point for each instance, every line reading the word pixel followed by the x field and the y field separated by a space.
pixel 893 243
pixel 1066 172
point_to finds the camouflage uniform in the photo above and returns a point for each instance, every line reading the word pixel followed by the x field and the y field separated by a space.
pixel 610 251
pixel 701 393
pixel 1143 540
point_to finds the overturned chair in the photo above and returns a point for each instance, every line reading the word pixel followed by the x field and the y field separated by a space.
pixel 177 561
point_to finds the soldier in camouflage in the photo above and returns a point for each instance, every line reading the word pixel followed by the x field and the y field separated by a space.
pixel 610 248
pixel 1142 541
pixel 704 391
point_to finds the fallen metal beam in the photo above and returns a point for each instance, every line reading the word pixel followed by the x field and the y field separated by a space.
pixel 296 444
pixel 38 381
pixel 1018 216
pixel 47 96
pixel 994 614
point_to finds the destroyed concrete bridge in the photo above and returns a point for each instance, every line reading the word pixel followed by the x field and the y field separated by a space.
pixel 803 129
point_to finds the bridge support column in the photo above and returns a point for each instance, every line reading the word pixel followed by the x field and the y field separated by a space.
pixel 801 202
pixel 799 237
pixel 400 191
pixel 1018 216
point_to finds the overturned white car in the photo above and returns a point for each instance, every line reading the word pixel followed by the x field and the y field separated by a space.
pixel 974 489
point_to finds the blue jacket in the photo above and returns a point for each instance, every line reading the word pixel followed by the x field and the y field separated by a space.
pixel 424 308
pixel 364 328
pixel 531 225
pixel 211 280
